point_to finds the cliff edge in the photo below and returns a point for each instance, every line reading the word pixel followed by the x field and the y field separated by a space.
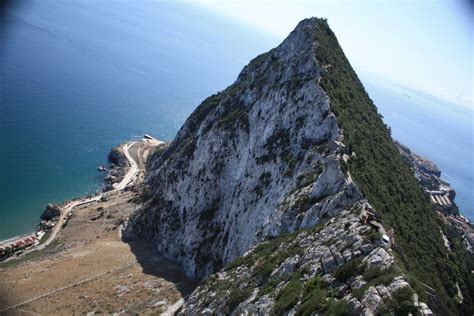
pixel 293 148
pixel 259 159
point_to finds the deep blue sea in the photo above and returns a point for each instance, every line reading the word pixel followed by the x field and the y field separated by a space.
pixel 79 77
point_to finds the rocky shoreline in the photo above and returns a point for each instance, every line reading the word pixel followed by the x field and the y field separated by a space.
pixel 118 167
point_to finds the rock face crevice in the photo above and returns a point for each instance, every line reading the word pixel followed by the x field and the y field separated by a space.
pixel 261 158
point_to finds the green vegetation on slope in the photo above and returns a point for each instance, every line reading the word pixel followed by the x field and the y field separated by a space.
pixel 388 183
pixel 315 294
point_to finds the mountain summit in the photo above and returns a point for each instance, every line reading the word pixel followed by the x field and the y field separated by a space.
pixel 291 176
pixel 258 159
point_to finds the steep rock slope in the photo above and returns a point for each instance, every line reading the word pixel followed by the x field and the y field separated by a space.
pixel 390 186
pixel 258 159
pixel 277 152
pixel 336 268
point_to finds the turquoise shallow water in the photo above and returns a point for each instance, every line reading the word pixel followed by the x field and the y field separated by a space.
pixel 79 77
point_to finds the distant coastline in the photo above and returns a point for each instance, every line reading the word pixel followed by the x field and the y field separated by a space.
pixel 435 129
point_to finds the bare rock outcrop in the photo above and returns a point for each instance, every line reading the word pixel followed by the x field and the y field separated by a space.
pixel 293 274
pixel 50 213
pixel 118 167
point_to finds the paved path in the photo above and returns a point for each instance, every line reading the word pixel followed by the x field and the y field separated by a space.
pixel 129 176
pixel 63 218
pixel 132 172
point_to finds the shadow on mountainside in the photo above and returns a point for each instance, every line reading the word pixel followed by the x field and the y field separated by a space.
pixel 154 264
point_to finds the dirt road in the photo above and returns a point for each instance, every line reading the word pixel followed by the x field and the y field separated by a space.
pixel 94 271
pixel 132 172
pixel 129 176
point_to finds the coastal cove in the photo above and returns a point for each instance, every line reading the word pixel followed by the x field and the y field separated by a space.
pixel 72 87
pixel 126 170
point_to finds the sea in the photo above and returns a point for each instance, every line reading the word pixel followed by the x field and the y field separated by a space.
pixel 79 77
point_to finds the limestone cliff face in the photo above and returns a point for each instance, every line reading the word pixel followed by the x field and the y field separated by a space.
pixel 261 158
pixel 267 157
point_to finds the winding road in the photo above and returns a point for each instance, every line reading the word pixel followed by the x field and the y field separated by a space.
pixel 129 176
pixel 132 172
pixel 137 157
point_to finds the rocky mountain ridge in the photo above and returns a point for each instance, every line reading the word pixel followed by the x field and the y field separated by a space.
pixel 295 146
pixel 271 134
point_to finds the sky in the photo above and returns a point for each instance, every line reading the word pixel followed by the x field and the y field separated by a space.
pixel 426 45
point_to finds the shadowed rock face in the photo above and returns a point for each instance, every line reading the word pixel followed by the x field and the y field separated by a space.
pixel 255 160
pixel 117 157
pixel 51 211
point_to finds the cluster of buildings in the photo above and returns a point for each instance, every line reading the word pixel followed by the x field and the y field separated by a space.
pixel 49 220
pixel 440 199
pixel 428 175
pixel 17 246
pixel 439 192
pixel 465 227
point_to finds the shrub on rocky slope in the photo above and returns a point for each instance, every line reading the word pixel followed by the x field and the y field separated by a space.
pixel 330 269
pixel 387 182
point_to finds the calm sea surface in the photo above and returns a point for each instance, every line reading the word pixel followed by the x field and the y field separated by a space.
pixel 79 77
